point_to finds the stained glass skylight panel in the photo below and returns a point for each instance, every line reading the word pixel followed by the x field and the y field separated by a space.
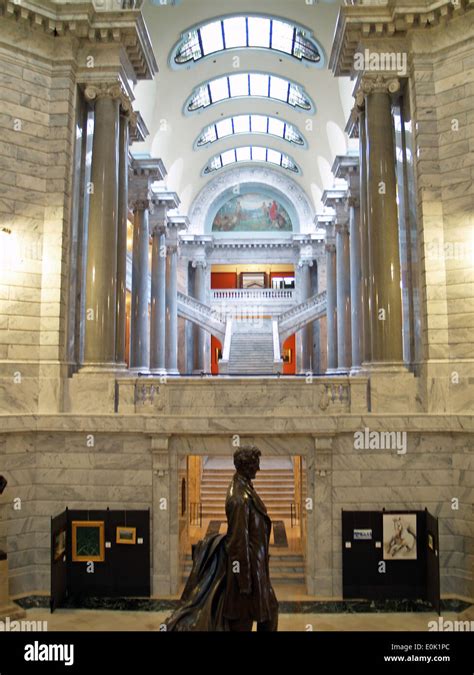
pixel 211 38
pixel 282 36
pixel 253 124
pixel 237 85
pixel 259 123
pixel 235 31
pixel 228 157
pixel 219 89
pixel 259 32
pixel 243 154
pixel 258 84
pixel 224 128
pixel 242 124
pixel 246 31
pixel 259 154
pixel 251 154
pixel 276 127
pixel 279 88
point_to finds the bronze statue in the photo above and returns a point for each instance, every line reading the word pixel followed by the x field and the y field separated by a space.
pixel 229 586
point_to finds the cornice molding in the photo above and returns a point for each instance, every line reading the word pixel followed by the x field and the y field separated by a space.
pixel 90 20
pixel 357 22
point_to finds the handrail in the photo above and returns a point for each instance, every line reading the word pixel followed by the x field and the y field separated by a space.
pixel 306 304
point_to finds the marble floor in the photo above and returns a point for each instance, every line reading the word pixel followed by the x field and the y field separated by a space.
pixel 102 620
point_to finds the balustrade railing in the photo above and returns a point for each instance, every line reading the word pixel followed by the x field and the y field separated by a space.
pixel 260 294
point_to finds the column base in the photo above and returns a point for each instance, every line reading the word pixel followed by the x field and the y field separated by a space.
pixel 158 371
pixel 99 368
pixel 385 367
pixel 331 371
pixel 172 371
pixel 343 370
pixel 393 389
pixel 140 371
pixel 355 370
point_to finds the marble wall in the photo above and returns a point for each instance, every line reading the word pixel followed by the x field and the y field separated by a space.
pixel 100 462
pixel 442 100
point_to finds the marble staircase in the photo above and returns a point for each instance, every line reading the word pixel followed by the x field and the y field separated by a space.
pixel 275 487
pixel 251 348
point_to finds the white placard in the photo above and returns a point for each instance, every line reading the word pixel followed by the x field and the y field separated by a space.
pixel 348 544
pixel 378 544
pixel 140 540
pixel 108 544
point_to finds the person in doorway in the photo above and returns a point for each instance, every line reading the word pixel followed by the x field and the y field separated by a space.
pixel 249 594
pixel 229 586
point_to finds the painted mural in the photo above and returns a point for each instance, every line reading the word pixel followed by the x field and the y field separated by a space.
pixel 252 213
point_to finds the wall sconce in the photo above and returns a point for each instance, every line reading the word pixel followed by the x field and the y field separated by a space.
pixel 5 230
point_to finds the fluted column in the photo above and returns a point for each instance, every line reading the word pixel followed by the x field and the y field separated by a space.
pixel 384 256
pixel 343 284
pixel 101 267
pixel 139 342
pixel 172 309
pixel 331 312
pixel 355 284
pixel 158 300
pixel 122 219
pixel 200 335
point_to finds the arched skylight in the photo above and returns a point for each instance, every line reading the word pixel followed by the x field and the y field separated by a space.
pixel 251 154
pixel 250 124
pixel 239 32
pixel 238 85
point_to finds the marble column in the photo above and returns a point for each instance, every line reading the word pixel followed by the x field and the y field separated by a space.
pixel 122 219
pixel 364 235
pixel 101 268
pixel 343 285
pixel 158 301
pixel 144 173
pixel 331 312
pixel 355 284
pixel 172 309
pixel 163 201
pixel 384 256
pixel 306 333
pixel 200 335
pixel 139 342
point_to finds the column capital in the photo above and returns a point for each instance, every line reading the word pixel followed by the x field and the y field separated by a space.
pixel 113 90
pixel 199 263
pixel 353 201
pixel 330 248
pixel 140 204
pixel 143 172
pixel 157 229
pixel 305 262
pixel 342 228
pixel 379 84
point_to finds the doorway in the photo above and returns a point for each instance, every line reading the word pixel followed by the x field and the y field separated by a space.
pixel 281 484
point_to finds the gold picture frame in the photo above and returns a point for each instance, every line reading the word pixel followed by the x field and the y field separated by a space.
pixel 88 540
pixel 126 535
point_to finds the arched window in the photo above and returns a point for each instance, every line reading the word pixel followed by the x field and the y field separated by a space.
pixel 244 32
pixel 251 154
pixel 250 124
pixel 240 85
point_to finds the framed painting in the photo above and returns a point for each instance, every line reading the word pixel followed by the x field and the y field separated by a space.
pixel 88 540
pixel 126 535
pixel 399 536
pixel 59 545
pixel 252 212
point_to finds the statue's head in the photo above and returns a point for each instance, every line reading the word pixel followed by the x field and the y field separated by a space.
pixel 3 484
pixel 247 461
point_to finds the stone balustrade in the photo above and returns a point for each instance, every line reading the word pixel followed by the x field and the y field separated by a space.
pixel 272 398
